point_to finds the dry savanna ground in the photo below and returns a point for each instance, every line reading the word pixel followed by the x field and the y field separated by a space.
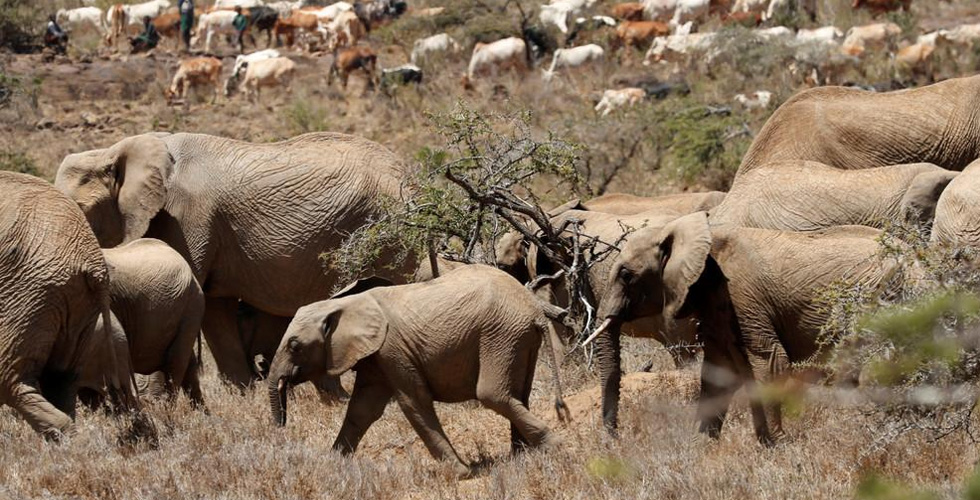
pixel 90 100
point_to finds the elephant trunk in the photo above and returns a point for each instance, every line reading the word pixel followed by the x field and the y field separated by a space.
pixel 608 355
pixel 281 375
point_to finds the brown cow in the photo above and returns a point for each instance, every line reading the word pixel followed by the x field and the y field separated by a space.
pixel 878 7
pixel 168 25
pixel 746 19
pixel 351 59
pixel 117 18
pixel 195 72
pixel 630 11
pixel 297 22
pixel 636 33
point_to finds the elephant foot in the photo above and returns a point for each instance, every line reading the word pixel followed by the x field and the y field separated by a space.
pixel 463 471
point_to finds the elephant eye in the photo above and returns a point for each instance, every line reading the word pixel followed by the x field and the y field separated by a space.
pixel 625 274
pixel 293 344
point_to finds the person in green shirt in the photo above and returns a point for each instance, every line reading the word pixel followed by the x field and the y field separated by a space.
pixel 146 40
pixel 241 24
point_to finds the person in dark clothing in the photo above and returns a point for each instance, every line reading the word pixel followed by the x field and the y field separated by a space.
pixel 55 37
pixel 146 40
pixel 240 24
pixel 186 8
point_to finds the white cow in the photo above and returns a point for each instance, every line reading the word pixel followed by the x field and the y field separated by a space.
pixel 231 4
pixel 690 11
pixel 82 16
pixel 659 10
pixel 675 47
pixel 759 99
pixel 285 8
pixel 573 57
pixel 966 35
pixel 241 60
pixel 136 12
pixel 272 72
pixel 614 99
pixel 758 6
pixel 508 53
pixel 433 44
pixel 826 34
pixel 331 11
pixel 219 22
pixel 877 35
pixel 774 33
pixel 557 14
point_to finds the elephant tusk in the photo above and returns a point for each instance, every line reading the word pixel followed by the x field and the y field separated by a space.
pixel 605 324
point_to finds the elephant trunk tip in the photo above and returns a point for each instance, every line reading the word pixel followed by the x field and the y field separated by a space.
pixel 278 398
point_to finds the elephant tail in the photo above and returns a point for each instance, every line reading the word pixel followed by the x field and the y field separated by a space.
pixel 561 409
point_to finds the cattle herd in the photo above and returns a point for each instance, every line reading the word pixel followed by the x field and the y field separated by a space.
pixel 213 235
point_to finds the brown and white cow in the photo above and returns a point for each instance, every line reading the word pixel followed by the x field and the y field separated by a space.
pixel 878 7
pixel 629 11
pixel 638 34
pixel 353 59
pixel 195 72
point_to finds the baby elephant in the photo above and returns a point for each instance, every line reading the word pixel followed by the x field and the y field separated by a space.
pixel 160 306
pixel 473 333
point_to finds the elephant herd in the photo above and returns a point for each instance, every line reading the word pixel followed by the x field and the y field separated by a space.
pixel 140 249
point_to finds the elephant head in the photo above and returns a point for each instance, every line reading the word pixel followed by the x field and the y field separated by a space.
pixel 652 276
pixel 121 188
pixel 327 338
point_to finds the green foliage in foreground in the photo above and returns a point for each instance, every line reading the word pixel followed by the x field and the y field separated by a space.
pixel 875 487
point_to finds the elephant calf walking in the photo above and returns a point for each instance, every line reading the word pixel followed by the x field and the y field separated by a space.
pixel 160 306
pixel 473 333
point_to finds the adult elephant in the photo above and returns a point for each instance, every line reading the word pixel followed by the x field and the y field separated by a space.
pixel 250 219
pixel 680 338
pixel 958 211
pixel 804 195
pixel 854 129
pixel 754 293
pixel 628 204
pixel 53 288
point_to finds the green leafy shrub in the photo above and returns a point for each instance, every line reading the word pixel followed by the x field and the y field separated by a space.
pixel 15 161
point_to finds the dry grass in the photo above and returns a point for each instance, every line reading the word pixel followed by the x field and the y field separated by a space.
pixel 235 452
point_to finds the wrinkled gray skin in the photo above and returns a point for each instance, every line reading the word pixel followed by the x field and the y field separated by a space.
pixel 958 212
pixel 628 204
pixel 250 219
pixel 855 129
pixel 160 307
pixel 472 333
pixel 53 287
pixel 753 292
pixel 804 196
pixel 680 338
pixel 91 375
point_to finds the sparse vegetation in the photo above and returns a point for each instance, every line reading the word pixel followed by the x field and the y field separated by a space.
pixel 919 337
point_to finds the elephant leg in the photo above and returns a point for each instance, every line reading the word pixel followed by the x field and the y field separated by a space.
pixel 366 406
pixel 42 416
pixel 221 332
pixel 180 354
pixel 720 378
pixel 518 442
pixel 192 384
pixel 60 390
pixel 416 404
pixel 530 427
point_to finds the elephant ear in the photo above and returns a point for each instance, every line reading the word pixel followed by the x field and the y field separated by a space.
pixel 356 330
pixel 141 166
pixel 684 245
pixel 922 196
pixel 361 285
